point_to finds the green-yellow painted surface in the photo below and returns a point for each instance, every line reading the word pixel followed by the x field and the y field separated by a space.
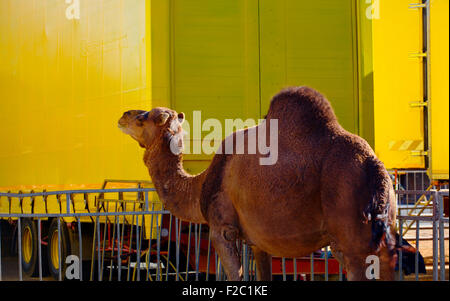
pixel 215 61
pixel 229 58
pixel 365 72
pixel 311 43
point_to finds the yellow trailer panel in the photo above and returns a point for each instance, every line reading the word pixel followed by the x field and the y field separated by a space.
pixel 398 82
pixel 439 106
pixel 65 82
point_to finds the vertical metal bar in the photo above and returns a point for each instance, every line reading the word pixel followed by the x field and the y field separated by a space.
pixel 94 235
pixel 19 239
pixel 283 266
pixel 245 261
pixel 113 242
pixel 39 249
pixel 98 248
pixel 148 259
pixel 415 185
pixel 326 263
pixel 80 245
pixel 168 247
pixel 141 234
pixel 105 233
pixel 219 267
pixel 197 255
pixel 416 264
pixel 177 249
pixel 120 241
pixel 0 250
pixel 138 247
pixel 295 269
pixel 441 236
pixel 158 250
pixel 400 253
pixel 196 236
pixel 251 265
pixel 146 201
pixel 59 251
pixel 407 187
pixel 423 182
pixel 427 110
pixel 341 278
pixel 130 245
pixel 119 238
pixel 119 250
pixel 208 257
pixel 435 236
pixel 312 266
pixel 188 251
pixel 68 203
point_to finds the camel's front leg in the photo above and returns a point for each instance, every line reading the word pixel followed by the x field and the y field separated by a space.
pixel 224 241
pixel 263 265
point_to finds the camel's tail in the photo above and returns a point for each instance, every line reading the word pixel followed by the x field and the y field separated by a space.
pixel 377 211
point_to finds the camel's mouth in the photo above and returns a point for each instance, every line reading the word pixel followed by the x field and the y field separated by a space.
pixel 124 122
pixel 123 127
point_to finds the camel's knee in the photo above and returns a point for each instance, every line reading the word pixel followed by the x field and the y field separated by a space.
pixel 229 233
pixel 337 253
pixel 224 241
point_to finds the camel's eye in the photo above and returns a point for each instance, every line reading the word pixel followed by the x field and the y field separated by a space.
pixel 142 117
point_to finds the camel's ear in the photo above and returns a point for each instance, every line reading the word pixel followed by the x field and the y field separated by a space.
pixel 181 118
pixel 162 119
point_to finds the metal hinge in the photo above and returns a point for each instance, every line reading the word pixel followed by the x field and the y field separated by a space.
pixel 417 5
pixel 418 55
pixel 419 153
pixel 419 104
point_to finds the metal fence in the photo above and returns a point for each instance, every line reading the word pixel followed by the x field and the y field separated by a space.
pixel 436 222
pixel 102 235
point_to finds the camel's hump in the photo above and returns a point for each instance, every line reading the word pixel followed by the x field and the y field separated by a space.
pixel 302 104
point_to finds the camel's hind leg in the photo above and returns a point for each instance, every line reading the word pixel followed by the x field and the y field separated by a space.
pixel 351 238
pixel 364 267
pixel 224 241
pixel 360 261
pixel 263 265
pixel 352 259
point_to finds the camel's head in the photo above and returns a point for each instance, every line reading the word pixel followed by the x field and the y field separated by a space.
pixel 157 126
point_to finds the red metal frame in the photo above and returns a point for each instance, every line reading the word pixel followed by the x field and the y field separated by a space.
pixel 303 265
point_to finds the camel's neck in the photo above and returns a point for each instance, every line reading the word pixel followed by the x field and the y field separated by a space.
pixel 178 190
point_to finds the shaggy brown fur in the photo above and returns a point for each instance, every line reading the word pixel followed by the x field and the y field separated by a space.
pixel 327 188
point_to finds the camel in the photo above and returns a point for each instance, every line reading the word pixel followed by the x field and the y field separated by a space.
pixel 327 188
